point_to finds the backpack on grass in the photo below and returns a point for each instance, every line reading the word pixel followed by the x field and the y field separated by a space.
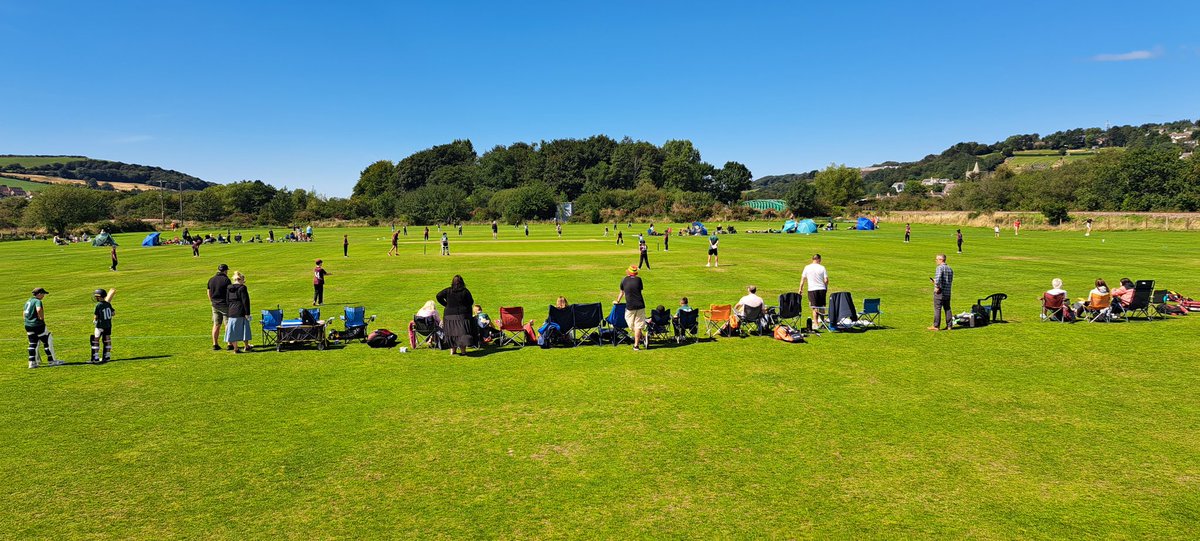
pixel 382 338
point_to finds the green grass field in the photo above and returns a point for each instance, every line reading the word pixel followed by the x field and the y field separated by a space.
pixel 1029 158
pixel 34 161
pixel 23 184
pixel 1017 430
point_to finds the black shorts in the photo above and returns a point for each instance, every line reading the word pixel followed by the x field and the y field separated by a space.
pixel 712 251
pixel 816 298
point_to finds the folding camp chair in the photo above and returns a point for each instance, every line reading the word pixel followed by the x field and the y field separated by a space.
pixel 752 316
pixel 1054 308
pixel 1099 308
pixel 870 311
pixel 791 306
pixel 840 311
pixel 587 318
pixel 565 319
pixel 659 325
pixel 1157 300
pixel 1140 304
pixel 355 321
pixel 716 317
pixel 270 326
pixel 994 306
pixel 428 332
pixel 512 327
pixel 617 326
pixel 686 324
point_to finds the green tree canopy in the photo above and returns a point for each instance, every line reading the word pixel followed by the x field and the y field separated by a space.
pixel 839 185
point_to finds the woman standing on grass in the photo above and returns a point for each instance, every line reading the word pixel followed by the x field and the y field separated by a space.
pixel 456 323
pixel 237 329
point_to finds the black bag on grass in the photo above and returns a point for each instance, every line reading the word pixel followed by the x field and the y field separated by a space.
pixel 382 338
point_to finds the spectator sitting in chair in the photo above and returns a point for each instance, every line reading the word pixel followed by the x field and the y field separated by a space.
pixel 1123 295
pixel 1085 304
pixel 561 303
pixel 683 307
pixel 430 310
pixel 1056 289
pixel 751 300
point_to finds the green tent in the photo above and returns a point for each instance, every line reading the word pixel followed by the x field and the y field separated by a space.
pixel 104 239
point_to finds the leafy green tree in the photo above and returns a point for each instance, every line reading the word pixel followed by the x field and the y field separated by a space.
pixel 463 176
pixel 802 199
pixel 839 185
pixel 206 205
pixel 414 171
pixel 58 208
pixel 435 203
pixel 378 178
pixel 280 210
pixel 634 162
pixel 728 183
pixel 682 168
pixel 508 167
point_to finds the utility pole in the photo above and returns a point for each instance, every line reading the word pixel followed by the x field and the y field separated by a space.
pixel 181 220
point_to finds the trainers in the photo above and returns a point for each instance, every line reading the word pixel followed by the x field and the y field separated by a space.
pixel 708 264
pixel 635 348
pixel 33 365
pixel 229 347
pixel 216 347
pixel 56 363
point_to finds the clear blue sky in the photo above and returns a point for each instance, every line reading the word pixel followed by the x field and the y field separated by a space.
pixel 307 94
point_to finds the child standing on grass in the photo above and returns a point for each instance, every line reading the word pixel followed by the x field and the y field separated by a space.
pixel 445 244
pixel 996 229
pixel 102 320
pixel 319 274
pixel 112 252
pixel 958 232
pixel 35 329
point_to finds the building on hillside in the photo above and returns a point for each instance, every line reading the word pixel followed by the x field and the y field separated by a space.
pixel 898 187
pixel 931 182
pixel 974 173
pixel 6 191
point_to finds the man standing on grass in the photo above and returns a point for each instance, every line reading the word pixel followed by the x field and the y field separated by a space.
pixel 817 278
pixel 395 240
pixel 112 252
pixel 495 230
pixel 713 258
pixel 35 329
pixel 943 279
pixel 218 289
pixel 345 245
pixel 958 233
pixel 319 274
pixel 635 305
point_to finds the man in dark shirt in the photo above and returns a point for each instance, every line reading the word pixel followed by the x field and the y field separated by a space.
pixel 395 241
pixel 635 305
pixel 218 287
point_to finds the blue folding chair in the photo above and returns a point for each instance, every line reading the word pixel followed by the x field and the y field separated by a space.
pixel 870 311
pixel 355 321
pixel 619 329
pixel 270 326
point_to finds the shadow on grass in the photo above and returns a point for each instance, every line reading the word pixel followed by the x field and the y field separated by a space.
pixel 126 359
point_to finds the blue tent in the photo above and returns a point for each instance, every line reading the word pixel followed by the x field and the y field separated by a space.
pixel 151 240
pixel 865 224
pixel 806 227
pixel 789 226
pixel 699 227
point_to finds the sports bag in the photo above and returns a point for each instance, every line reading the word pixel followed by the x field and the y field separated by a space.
pixel 788 334
pixel 382 338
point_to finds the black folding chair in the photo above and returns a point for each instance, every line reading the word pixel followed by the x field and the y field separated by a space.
pixel 1140 304
pixel 587 319
pixel 565 319
pixel 752 315
pixel 993 306
pixel 428 331
pixel 687 326
pixel 791 306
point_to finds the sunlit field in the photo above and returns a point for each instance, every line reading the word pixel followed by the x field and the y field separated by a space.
pixel 1017 430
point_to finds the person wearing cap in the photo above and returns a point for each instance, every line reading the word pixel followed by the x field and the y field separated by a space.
pixel 319 284
pixel 218 294
pixel 635 305
pixel 35 329
pixel 102 320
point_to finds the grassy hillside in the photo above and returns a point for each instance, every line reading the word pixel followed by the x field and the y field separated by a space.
pixel 37 161
pixel 23 184
pixel 1021 430
pixel 1047 158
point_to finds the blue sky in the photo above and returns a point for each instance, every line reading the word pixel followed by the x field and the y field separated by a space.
pixel 307 94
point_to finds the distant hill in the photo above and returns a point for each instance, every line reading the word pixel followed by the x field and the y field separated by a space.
pixel 775 186
pixel 95 172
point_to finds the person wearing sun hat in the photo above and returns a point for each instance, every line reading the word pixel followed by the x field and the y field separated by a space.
pixel 635 305
pixel 35 329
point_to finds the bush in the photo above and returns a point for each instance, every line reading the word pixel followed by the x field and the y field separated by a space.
pixel 1055 213
pixel 121 225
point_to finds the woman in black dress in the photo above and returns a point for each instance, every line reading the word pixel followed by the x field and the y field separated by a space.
pixel 456 318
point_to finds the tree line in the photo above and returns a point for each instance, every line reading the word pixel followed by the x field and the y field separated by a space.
pixel 99 172
pixel 522 181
